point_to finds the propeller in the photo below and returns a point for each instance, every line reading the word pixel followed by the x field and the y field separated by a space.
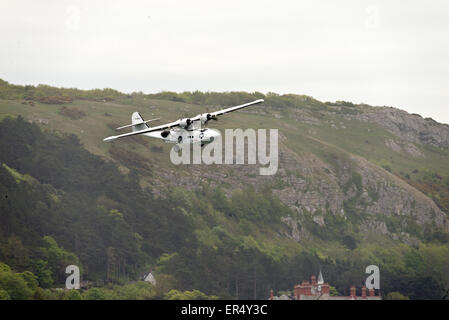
pixel 211 117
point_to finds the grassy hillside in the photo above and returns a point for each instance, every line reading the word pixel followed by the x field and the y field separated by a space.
pixel 122 208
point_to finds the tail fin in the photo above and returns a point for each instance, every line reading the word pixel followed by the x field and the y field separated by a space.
pixel 138 122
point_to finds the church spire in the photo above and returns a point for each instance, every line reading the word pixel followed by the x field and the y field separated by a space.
pixel 320 278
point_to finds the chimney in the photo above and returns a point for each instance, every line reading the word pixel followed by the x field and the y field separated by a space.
pixel 371 292
pixel 313 280
pixel 364 292
pixel 353 292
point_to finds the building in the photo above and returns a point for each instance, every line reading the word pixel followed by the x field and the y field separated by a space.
pixel 320 290
pixel 150 278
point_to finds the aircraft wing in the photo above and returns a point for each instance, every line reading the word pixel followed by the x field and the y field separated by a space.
pixel 223 111
pixel 152 129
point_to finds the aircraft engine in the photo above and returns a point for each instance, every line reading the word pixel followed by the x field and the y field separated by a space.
pixel 164 134
pixel 186 122
pixel 205 117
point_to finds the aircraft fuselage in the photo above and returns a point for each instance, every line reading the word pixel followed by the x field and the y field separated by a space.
pixel 185 136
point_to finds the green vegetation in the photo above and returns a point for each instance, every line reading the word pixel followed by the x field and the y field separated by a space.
pixel 67 198
pixel 52 95
pixel 188 295
pixel 396 296
pixel 106 223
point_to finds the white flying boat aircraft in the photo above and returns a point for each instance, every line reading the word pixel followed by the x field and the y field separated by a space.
pixel 182 131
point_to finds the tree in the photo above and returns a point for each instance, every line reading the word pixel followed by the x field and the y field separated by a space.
pixel 39 294
pixel 94 294
pixel 73 295
pixel 188 295
pixel 4 295
pixel 135 291
pixel 43 273
pixel 30 279
pixel 15 253
pixel 164 284
pixel 58 258
pixel 396 296
pixel 15 285
pixel 333 292
pixel 4 267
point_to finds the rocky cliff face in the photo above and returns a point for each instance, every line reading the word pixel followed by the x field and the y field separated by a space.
pixel 345 186
pixel 357 185
pixel 335 183
pixel 410 127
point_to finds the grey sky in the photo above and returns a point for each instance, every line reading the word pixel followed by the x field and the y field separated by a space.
pixel 378 52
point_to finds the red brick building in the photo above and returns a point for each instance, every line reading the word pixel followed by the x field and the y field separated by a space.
pixel 317 289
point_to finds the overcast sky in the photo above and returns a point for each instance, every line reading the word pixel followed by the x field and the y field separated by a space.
pixel 393 53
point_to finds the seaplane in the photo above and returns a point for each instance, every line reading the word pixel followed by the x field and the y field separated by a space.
pixel 180 132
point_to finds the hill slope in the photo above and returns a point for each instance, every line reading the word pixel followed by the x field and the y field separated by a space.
pixel 356 185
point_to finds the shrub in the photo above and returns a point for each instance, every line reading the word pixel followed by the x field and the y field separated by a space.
pixel 72 113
